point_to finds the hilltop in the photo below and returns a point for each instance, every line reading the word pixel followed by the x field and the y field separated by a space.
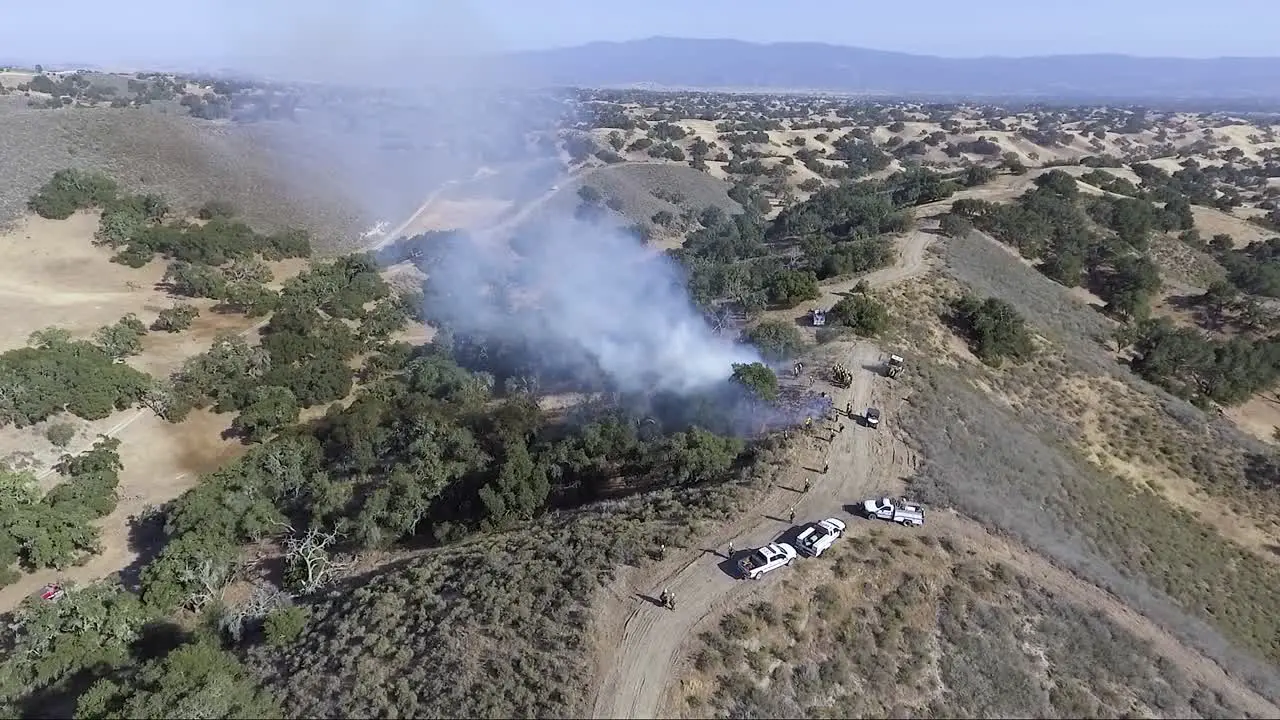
pixel 734 64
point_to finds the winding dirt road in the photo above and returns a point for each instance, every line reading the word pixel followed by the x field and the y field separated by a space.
pixel 640 645
pixel 635 676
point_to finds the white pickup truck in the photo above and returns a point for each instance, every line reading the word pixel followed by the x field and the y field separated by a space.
pixel 819 536
pixel 768 558
pixel 899 511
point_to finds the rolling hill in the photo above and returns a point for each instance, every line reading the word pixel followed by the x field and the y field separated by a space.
pixel 676 62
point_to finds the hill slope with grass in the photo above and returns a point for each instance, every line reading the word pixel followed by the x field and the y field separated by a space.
pixel 187 159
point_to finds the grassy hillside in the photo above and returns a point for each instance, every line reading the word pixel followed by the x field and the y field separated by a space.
pixel 1135 490
pixel 493 627
pixel 188 160
pixel 898 625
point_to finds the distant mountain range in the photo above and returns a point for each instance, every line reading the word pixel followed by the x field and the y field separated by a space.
pixel 737 65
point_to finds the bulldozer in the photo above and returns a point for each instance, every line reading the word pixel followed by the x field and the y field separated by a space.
pixel 894 367
pixel 840 376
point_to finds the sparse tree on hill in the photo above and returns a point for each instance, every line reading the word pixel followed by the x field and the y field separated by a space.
pixel 758 379
pixel 310 564
pixel 956 226
pixel 176 318
pixel 122 339
pixel 776 339
pixel 862 313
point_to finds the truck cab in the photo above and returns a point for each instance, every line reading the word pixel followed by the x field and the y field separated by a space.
pixel 766 559
pixel 899 511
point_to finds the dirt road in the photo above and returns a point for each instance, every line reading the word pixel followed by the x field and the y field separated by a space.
pixel 640 643
pixel 862 463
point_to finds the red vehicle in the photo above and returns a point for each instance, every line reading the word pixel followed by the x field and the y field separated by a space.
pixel 52 592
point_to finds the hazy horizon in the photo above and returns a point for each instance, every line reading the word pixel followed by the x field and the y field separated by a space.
pixel 231 33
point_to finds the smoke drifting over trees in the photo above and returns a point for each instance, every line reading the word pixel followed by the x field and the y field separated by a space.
pixel 585 300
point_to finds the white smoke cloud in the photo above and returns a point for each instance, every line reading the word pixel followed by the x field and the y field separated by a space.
pixel 598 295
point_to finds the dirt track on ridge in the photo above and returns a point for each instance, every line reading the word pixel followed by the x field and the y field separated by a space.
pixel 633 680
pixel 641 646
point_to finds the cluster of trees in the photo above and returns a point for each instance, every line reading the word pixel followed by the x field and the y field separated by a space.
pixel 1254 269
pixel 429 449
pixel 101 653
pixel 141 227
pixel 323 319
pixel 57 373
pixel 1187 363
pixel 56 529
pixel 1111 183
pixel 79 86
pixel 750 263
pixel 1102 242
pixel 993 328
pixel 71 190
pixel 1095 241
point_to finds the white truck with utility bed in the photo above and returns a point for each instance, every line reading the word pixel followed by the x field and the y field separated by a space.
pixel 768 558
pixel 819 536
pixel 899 511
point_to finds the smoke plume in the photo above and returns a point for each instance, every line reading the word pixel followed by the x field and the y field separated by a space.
pixel 406 103
pixel 584 299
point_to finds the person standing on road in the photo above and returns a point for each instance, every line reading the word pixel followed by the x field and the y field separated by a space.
pixel 808 483
pixel 731 548
pixel 825 468
pixel 791 518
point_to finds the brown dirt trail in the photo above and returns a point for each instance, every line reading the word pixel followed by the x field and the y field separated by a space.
pixel 646 648
pixel 642 645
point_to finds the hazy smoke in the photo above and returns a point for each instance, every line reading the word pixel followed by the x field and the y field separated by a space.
pixel 585 297
pixel 405 105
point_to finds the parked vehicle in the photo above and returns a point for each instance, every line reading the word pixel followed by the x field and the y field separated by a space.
pixel 872 417
pixel 767 559
pixel 819 536
pixel 899 511
pixel 894 367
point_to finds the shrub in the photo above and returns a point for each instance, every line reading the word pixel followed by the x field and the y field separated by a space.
pixel 60 434
pixel 71 190
pixel 776 339
pixel 994 329
pixel 863 314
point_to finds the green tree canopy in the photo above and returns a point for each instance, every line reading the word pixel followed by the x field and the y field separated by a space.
pixel 758 379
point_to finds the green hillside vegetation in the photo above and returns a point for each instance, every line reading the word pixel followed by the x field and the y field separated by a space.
pixel 441 445
pixel 1102 243
pixel 55 530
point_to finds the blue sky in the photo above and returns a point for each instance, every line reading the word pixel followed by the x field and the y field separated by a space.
pixel 129 32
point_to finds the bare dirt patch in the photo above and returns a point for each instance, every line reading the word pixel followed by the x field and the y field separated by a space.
pixel 161 461
pixel 52 275
pixel 1212 222
pixel 443 214
pixel 1259 416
